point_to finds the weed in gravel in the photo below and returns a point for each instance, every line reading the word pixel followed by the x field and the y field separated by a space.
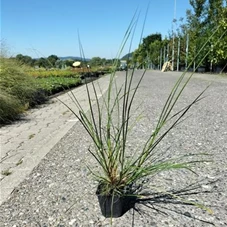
pixel 19 162
pixel 31 136
pixel 6 172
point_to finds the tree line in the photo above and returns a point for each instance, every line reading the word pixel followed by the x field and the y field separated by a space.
pixel 200 40
pixel 53 61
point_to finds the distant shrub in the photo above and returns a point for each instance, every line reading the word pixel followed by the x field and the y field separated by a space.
pixel 10 107
pixel 52 85
pixel 54 73
pixel 15 81
pixel 17 89
pixel 21 88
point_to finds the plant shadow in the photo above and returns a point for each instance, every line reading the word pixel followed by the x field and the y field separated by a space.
pixel 161 202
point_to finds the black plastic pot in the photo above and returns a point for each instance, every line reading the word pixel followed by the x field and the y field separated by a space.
pixel 111 206
pixel 115 205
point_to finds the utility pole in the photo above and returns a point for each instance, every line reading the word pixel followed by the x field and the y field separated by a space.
pixel 178 54
pixel 186 59
pixel 212 58
pixel 173 32
pixel 164 54
pixel 173 52
pixel 194 59
pixel 161 59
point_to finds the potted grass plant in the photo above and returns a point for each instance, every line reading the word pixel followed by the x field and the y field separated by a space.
pixel 108 122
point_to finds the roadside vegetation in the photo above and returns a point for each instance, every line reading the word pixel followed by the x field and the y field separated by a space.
pixel 186 37
pixel 55 62
pixel 52 85
pixel 23 84
pixel 17 90
pixel 21 88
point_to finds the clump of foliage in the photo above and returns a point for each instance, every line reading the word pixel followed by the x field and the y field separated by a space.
pixel 148 51
pixel 54 62
pixel 10 107
pixel 187 37
pixel 48 62
pixel 54 73
pixel 16 89
pixel 22 88
pixel 52 85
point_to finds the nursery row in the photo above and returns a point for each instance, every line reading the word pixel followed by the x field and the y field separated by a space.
pixel 20 89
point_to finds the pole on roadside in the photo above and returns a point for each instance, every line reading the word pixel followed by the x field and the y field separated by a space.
pixel 178 54
pixel 161 59
pixel 173 33
pixel 173 52
pixel 212 58
pixel 194 67
pixel 186 58
pixel 164 54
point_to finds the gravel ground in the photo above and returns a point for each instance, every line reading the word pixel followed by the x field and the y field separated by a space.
pixel 61 192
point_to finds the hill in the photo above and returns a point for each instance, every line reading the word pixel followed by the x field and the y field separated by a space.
pixel 74 58
pixel 127 56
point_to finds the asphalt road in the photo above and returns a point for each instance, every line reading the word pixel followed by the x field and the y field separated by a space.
pixel 59 191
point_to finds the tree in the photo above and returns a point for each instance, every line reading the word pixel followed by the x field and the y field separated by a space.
pixel 69 62
pixel 52 60
pixel 155 52
pixel 96 61
pixel 196 19
pixel 25 59
pixel 42 62
pixel 60 64
pixel 139 57
pixel 207 17
pixel 150 39
pixel 198 7
pixel 220 39
pixel 142 54
pixel 19 57
pixel 214 11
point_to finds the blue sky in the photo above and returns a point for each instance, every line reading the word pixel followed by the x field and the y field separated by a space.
pixel 44 27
